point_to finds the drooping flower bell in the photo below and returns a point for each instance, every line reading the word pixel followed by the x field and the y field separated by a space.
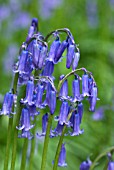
pixel 64 89
pixel 70 55
pixel 60 50
pixel 62 157
pixel 64 109
pixel 85 165
pixel 39 95
pixel 52 101
pixel 42 56
pixel 58 130
pixel 25 125
pixel 80 110
pixel 7 104
pixel 75 60
pixel 48 68
pixel 85 85
pixel 53 50
pixel 93 98
pixel 76 89
pixel 29 93
pixel 110 165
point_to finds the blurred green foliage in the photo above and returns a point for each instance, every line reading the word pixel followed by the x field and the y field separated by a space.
pixel 97 55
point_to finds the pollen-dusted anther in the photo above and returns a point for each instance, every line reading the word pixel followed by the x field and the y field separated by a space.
pixel 29 93
pixel 7 104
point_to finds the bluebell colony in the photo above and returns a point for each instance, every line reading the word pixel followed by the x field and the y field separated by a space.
pixel 34 70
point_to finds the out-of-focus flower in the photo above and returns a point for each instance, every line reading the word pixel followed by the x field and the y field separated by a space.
pixel 62 157
pixel 110 165
pixel 85 165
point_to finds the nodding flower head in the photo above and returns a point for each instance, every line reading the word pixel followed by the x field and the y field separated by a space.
pixel 110 165
pixel 62 157
pixel 70 55
pixel 76 89
pixel 39 95
pixel 85 165
pixel 7 104
pixel 85 85
pixel 52 101
pixel 75 60
pixel 93 98
pixel 48 69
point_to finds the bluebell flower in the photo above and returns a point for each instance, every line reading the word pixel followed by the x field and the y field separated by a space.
pixel 76 89
pixel 64 89
pixel 75 60
pixel 33 111
pixel 41 61
pixel 76 125
pixel 48 68
pixel 98 114
pixel 70 55
pixel 58 130
pixel 34 23
pixel 39 95
pixel 85 165
pixel 52 101
pixel 29 93
pixel 60 50
pixel 85 85
pixel 93 98
pixel 7 104
pixel 110 165
pixel 44 123
pixel 80 110
pixel 63 113
pixel 62 157
pixel 53 50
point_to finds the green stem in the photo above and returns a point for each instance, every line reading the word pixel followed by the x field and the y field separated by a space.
pixel 18 113
pixel 8 144
pixel 24 153
pixel 46 142
pixel 59 149
pixel 33 142
pixel 100 156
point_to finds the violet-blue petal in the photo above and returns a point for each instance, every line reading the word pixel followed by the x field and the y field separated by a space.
pixel 75 60
pixel 52 101
pixel 98 114
pixel 44 123
pixel 39 95
pixel 64 89
pixel 48 69
pixel 110 165
pixel 43 55
pixel 80 111
pixel 34 23
pixel 93 99
pixel 29 93
pixel 25 134
pixel 70 55
pixel 7 104
pixel 58 130
pixel 53 49
pixel 22 61
pixel 76 89
pixel 62 157
pixel 60 50
pixel 85 85
pixel 85 165
pixel 63 112
pixel 36 53
pixel 76 125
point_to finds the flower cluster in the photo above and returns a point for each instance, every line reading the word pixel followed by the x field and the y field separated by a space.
pixel 35 68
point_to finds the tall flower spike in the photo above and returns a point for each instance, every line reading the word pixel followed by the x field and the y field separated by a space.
pixel 48 69
pixel 64 89
pixel 25 120
pixel 62 157
pixel 29 93
pixel 93 98
pixel 60 50
pixel 70 55
pixel 52 101
pixel 75 60
pixel 39 95
pixel 110 165
pixel 76 125
pixel 53 50
pixel 63 112
pixel 76 89
pixel 7 104
pixel 85 85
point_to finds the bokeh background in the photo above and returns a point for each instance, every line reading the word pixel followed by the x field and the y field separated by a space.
pixel 92 25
